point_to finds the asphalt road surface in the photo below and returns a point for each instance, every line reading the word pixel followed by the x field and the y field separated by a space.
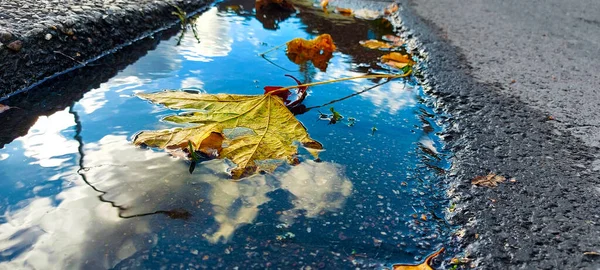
pixel 521 81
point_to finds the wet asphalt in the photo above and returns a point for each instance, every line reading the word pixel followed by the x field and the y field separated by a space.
pixel 519 79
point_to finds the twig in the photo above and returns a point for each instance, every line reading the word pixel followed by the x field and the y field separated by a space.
pixel 373 76
pixel 77 61
pixel 272 49
pixel 346 97
pixel 273 63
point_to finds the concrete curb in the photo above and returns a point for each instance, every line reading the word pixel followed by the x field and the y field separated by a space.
pixel 75 36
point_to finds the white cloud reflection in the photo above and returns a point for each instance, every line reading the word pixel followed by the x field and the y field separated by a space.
pixel 96 99
pixel 213 32
pixel 391 97
pixel 81 232
pixel 45 141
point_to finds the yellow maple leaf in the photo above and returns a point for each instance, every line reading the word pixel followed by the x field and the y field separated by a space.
pixel 422 266
pixel 270 128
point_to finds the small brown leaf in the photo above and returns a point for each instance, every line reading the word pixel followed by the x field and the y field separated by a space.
pixel 319 51
pixel 390 9
pixel 344 11
pixel 375 44
pixel 423 266
pixel 4 108
pixel 490 180
pixel 397 60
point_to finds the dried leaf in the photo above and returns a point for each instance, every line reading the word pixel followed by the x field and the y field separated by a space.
pixel 367 14
pixel 318 50
pixel 4 108
pixel 344 11
pixel 395 40
pixel 422 266
pixel 390 9
pixel 397 60
pixel 324 4
pixel 375 44
pixel 490 180
pixel 272 128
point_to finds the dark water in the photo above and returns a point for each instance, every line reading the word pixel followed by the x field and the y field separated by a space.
pixel 75 193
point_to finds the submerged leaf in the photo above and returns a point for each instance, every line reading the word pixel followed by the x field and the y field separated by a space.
pixel 274 129
pixel 318 51
pixel 423 266
pixel 490 180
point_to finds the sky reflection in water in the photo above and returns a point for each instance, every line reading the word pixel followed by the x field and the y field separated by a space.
pixel 76 194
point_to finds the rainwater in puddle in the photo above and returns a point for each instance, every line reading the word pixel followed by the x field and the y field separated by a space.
pixel 75 192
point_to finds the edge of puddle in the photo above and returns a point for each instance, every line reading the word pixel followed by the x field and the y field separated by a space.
pixel 545 219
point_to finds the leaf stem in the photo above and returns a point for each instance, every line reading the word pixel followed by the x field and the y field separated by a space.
pixel 272 49
pixel 372 76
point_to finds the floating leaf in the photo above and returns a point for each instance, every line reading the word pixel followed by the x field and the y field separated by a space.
pixel 344 11
pixel 318 50
pixel 390 9
pixel 395 40
pixel 324 4
pixel 490 180
pixel 375 44
pixel 397 60
pixel 423 266
pixel 273 129
pixel 367 14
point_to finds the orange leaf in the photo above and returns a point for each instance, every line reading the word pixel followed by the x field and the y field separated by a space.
pixel 375 44
pixel 344 11
pixel 390 9
pixel 318 50
pixel 423 266
pixel 397 60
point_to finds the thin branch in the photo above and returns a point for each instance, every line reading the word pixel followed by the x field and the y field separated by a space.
pixel 77 61
pixel 272 49
pixel 373 76
pixel 348 96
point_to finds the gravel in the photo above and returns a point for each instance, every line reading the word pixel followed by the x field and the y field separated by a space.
pixel 35 36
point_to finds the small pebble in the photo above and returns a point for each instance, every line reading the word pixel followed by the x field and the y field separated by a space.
pixel 48 36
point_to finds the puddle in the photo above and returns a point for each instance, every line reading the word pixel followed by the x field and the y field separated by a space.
pixel 75 192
